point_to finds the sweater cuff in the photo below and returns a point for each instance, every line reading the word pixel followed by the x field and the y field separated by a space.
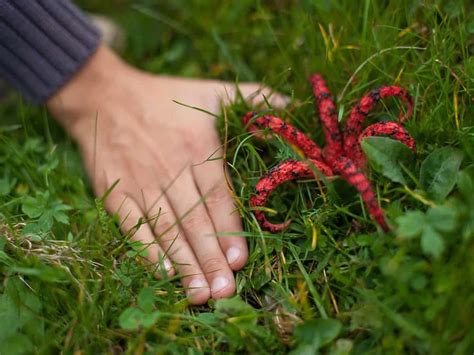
pixel 43 43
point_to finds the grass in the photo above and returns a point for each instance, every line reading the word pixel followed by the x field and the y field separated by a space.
pixel 333 282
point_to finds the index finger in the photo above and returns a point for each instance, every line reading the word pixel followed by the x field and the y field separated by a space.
pixel 220 205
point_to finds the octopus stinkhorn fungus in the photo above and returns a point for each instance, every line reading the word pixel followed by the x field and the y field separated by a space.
pixel 342 154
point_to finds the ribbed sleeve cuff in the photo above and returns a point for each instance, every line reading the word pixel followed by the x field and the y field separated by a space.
pixel 43 43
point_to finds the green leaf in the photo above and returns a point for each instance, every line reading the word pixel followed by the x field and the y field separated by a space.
pixel 418 282
pixel 442 218
pixel 241 312
pixel 34 144
pixel 61 217
pixel 16 344
pixel 364 240
pixel 439 171
pixel 146 299
pixel 453 9
pixel 31 229
pixel 20 313
pixel 386 156
pixel 411 224
pixel 45 222
pixel 150 319
pixel 305 349
pixel 366 315
pixel 234 306
pixel 124 279
pixel 465 182
pixel 208 318
pixel 9 316
pixel 342 347
pixel 32 207
pixel 6 185
pixel 131 318
pixel 317 333
pixel 42 271
pixel 58 206
pixel 431 242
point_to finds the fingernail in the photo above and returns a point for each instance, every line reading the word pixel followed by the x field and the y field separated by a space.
pixel 219 283
pixel 233 253
pixel 195 286
pixel 167 264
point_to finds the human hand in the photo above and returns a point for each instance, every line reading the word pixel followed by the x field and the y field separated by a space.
pixel 129 128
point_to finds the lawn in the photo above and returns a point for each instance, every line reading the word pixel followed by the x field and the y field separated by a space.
pixel 333 282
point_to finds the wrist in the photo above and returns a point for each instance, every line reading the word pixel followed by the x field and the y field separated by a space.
pixel 90 89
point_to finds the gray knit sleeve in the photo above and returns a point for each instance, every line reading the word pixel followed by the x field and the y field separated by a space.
pixel 42 44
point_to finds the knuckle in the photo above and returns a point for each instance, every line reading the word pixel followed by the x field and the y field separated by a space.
pixel 165 227
pixel 195 221
pixel 211 265
pixel 218 196
pixel 189 140
pixel 201 140
pixel 192 138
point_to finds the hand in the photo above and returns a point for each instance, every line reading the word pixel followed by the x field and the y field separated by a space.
pixel 129 129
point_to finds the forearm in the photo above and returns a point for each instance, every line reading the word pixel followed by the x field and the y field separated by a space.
pixel 43 44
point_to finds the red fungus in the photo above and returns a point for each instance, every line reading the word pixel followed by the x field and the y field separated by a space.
pixel 342 154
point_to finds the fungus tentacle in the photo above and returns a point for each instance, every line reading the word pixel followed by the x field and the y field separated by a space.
pixel 392 130
pixel 360 111
pixel 284 130
pixel 327 114
pixel 286 171
pixel 347 169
